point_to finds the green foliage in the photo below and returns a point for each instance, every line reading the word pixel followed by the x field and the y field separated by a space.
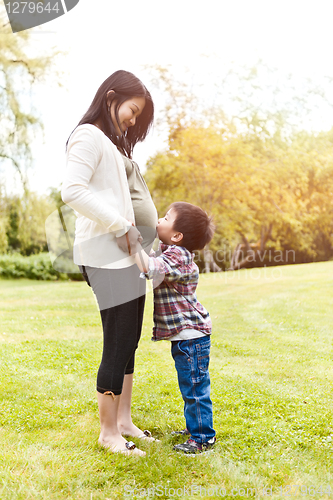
pixel 55 196
pixel 271 372
pixel 34 267
pixel 237 149
pixel 4 223
pixel 22 222
pixel 262 192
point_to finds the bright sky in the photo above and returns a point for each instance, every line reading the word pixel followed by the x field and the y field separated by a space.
pixel 103 36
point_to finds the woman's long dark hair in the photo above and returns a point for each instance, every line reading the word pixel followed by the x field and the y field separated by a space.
pixel 125 86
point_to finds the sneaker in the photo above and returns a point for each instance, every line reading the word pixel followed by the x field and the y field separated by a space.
pixel 183 432
pixel 192 447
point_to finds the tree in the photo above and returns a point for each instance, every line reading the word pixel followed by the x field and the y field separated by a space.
pixel 201 167
pixel 257 100
pixel 252 168
pixel 19 71
pixel 26 216
pixel 4 221
pixel 261 194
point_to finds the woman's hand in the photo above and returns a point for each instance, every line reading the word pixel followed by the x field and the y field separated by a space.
pixel 128 242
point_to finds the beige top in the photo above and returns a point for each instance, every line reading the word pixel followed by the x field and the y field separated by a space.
pixel 95 186
pixel 143 205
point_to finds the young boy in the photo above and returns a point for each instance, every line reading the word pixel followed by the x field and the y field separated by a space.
pixel 180 318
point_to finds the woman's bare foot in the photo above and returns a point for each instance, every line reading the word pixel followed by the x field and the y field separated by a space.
pixel 132 430
pixel 117 444
pixel 129 429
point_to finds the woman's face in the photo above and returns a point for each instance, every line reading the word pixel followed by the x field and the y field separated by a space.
pixel 127 113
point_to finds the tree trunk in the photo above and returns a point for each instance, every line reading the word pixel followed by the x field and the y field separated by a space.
pixel 210 264
pixel 246 252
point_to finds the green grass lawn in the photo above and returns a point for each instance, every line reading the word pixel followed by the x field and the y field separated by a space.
pixel 271 371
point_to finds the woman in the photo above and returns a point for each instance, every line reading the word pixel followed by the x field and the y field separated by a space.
pixel 107 191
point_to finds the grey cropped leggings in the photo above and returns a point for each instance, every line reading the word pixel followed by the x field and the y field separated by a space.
pixel 120 294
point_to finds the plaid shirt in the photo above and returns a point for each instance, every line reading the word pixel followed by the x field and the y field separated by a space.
pixel 175 279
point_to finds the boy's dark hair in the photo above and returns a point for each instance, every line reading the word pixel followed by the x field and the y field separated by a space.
pixel 197 227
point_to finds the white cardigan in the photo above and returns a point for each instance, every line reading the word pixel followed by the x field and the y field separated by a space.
pixel 96 187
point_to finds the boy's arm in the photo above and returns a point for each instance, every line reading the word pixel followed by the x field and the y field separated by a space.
pixel 141 259
pixel 166 267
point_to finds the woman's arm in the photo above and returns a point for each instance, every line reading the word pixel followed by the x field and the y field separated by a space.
pixel 84 154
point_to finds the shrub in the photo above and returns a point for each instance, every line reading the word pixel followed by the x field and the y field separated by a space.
pixel 35 267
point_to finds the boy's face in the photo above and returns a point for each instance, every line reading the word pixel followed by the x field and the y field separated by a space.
pixel 165 230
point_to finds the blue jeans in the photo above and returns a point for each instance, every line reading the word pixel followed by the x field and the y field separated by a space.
pixel 191 361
